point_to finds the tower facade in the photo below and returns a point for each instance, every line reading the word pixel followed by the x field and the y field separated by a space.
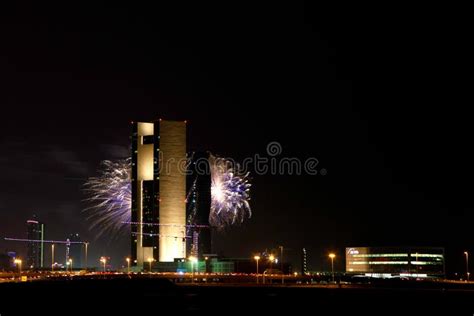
pixel 199 205
pixel 74 250
pixel 158 191
pixel 304 265
pixel 35 251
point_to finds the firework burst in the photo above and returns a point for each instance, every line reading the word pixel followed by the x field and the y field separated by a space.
pixel 230 193
pixel 109 195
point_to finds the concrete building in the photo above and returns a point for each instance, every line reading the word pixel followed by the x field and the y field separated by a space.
pixel 387 262
pixel 74 250
pixel 158 191
pixel 35 250
pixel 199 243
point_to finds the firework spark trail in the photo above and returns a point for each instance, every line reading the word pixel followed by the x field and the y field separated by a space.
pixel 110 196
pixel 230 193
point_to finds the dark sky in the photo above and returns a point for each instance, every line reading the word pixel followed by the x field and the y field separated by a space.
pixel 375 100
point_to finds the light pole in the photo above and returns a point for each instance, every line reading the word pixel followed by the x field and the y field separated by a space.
pixel 86 246
pixel 104 261
pixel 467 265
pixel 332 256
pixel 52 257
pixel 281 263
pixel 18 262
pixel 256 259
pixel 128 265
pixel 271 258
pixel 193 260
pixel 150 260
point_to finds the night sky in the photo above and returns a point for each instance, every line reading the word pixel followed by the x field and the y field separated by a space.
pixel 373 99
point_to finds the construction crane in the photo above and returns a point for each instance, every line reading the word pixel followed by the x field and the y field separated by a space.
pixel 172 225
pixel 53 242
pixel 195 237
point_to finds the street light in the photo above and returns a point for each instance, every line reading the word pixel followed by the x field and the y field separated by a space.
pixel 256 259
pixel 128 265
pixel 150 260
pixel 281 260
pixel 86 245
pixel 193 261
pixel 52 257
pixel 271 258
pixel 70 263
pixel 18 262
pixel 104 261
pixel 332 256
pixel 467 265
pixel 207 267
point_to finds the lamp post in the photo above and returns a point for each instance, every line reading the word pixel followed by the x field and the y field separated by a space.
pixel 467 265
pixel 86 246
pixel 271 258
pixel 256 259
pixel 332 256
pixel 52 257
pixel 18 262
pixel 281 263
pixel 103 261
pixel 193 261
pixel 128 265
pixel 150 260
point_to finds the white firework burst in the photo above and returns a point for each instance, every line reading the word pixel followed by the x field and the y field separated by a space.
pixel 110 196
pixel 230 193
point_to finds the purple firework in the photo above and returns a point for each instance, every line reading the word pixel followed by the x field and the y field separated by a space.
pixel 110 196
pixel 230 193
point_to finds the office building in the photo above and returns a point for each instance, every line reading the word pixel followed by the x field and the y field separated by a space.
pixel 35 251
pixel 198 205
pixel 304 264
pixel 158 191
pixel 386 262
pixel 74 250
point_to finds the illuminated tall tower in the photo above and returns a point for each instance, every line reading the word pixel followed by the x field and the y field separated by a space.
pixel 158 191
pixel 74 250
pixel 304 266
pixel 199 205
pixel 35 255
